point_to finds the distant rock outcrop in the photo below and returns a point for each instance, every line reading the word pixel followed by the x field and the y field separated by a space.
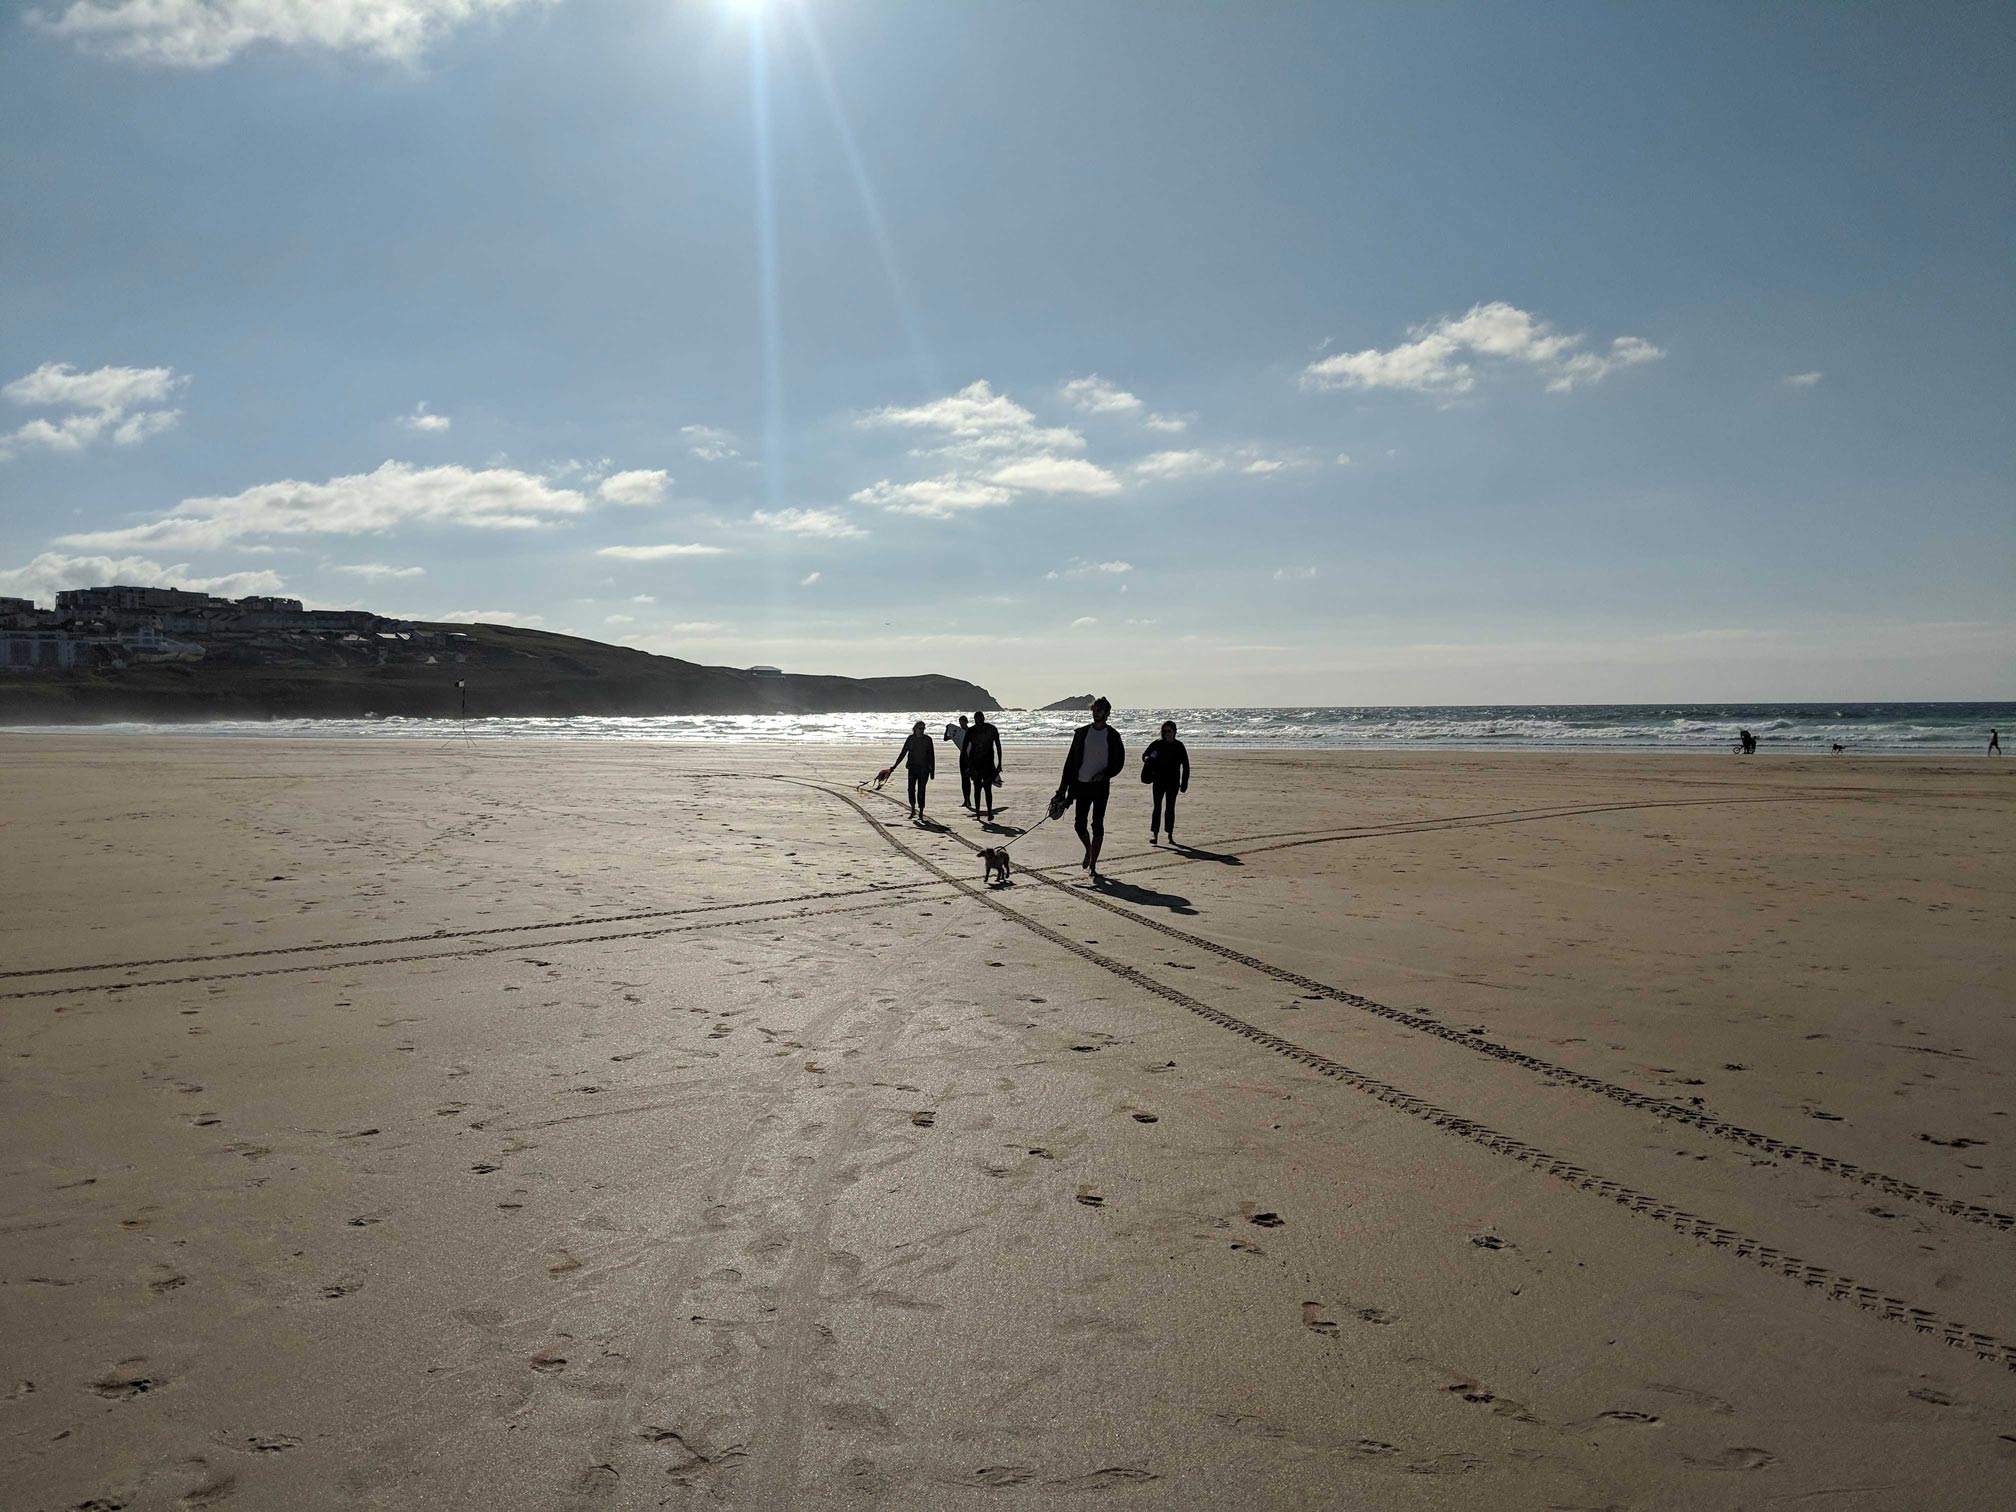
pixel 414 672
pixel 1076 705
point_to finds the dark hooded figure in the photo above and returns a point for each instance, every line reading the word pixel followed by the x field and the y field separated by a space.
pixel 983 761
pixel 1096 758
pixel 1166 764
pixel 921 757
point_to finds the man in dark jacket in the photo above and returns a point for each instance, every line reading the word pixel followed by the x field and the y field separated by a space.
pixel 1166 763
pixel 1096 758
pixel 919 756
pixel 982 753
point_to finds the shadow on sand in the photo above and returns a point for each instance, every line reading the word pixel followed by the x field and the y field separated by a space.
pixel 1146 897
pixel 1203 855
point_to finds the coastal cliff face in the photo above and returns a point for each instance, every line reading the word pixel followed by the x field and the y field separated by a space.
pixel 509 672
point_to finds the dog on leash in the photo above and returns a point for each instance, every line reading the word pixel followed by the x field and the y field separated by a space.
pixel 998 865
pixel 882 777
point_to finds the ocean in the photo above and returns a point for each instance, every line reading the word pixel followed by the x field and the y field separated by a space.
pixel 1864 728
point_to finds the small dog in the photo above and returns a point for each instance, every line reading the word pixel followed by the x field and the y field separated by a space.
pixel 997 865
pixel 882 777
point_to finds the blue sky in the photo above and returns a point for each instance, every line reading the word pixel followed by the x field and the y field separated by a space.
pixel 1193 354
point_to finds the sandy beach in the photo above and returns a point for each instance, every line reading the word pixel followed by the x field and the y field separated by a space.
pixel 425 1124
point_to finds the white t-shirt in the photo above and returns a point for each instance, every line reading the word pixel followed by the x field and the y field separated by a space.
pixel 1097 753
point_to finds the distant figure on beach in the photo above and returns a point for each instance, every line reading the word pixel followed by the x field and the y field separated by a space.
pixel 1166 765
pixel 921 758
pixel 956 734
pixel 1994 742
pixel 1746 743
pixel 1096 758
pixel 982 756
pixel 1839 748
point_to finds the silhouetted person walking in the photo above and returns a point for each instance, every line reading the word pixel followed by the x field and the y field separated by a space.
pixel 921 758
pixel 957 733
pixel 1166 764
pixel 982 757
pixel 1096 758
pixel 1994 742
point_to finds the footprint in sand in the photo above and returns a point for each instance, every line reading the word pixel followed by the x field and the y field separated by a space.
pixel 1266 1220
pixel 1105 1479
pixel 924 1119
pixel 126 1380
pixel 1313 1319
pixel 1734 1458
pixel 1090 1197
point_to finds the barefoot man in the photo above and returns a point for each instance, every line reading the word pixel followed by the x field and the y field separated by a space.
pixel 1096 758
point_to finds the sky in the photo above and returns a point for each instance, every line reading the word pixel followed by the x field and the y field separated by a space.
pixel 1191 354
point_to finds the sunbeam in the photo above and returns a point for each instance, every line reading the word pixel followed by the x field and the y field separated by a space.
pixel 871 207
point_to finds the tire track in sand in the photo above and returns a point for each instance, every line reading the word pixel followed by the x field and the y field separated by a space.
pixel 1830 1283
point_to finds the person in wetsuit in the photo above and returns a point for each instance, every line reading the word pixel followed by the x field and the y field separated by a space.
pixel 1095 759
pixel 1165 764
pixel 956 734
pixel 982 753
pixel 920 756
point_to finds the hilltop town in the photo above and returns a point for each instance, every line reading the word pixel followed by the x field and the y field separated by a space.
pixel 121 652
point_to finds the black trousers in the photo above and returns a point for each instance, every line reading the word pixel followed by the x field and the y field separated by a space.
pixel 918 777
pixel 1091 799
pixel 965 783
pixel 1165 807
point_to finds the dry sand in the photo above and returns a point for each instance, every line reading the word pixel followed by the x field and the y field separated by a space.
pixel 1442 1132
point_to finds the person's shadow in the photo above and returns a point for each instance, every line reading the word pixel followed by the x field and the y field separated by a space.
pixel 1128 892
pixel 1203 855
pixel 994 828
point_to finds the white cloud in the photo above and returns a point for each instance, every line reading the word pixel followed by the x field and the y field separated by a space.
pixel 643 598
pixel 828 524
pixel 1803 380
pixel 1167 422
pixel 696 627
pixel 1083 620
pixel 658 553
pixel 1343 459
pixel 637 488
pixel 989 431
pixel 933 498
pixel 422 419
pixel 1164 465
pixel 1293 574
pixel 618 619
pixel 709 443
pixel 205 33
pixel 1079 567
pixel 493 617
pixel 104 400
pixel 359 504
pixel 1436 359
pixel 1259 467
pixel 809 579
pixel 1056 475
pixel 51 572
pixel 1095 396
pixel 377 570
pixel 977 421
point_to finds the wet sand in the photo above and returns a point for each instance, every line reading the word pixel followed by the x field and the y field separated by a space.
pixel 406 1124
